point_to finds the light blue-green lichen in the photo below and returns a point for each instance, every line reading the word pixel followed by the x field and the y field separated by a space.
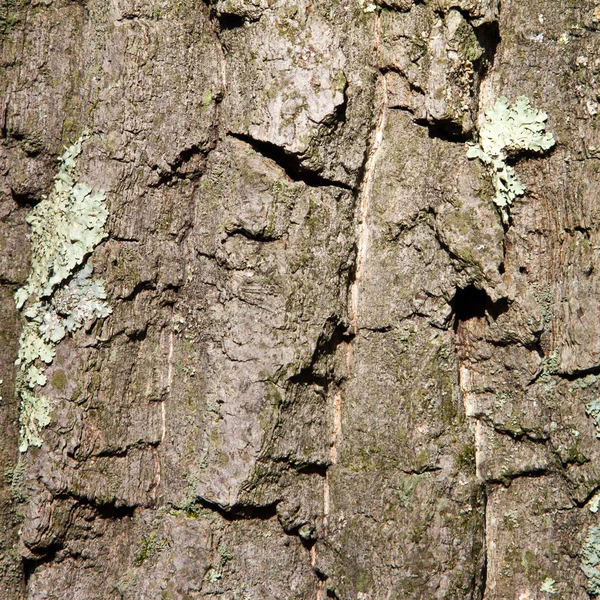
pixel 592 409
pixel 59 295
pixel 590 563
pixel 509 128
pixel 548 586
pixel 593 503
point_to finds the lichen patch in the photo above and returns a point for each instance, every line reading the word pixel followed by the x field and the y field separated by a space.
pixel 509 128
pixel 60 294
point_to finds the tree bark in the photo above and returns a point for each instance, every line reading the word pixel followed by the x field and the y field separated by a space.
pixel 330 369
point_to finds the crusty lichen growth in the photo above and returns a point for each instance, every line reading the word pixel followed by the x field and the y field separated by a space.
pixel 592 409
pixel 59 295
pixel 590 563
pixel 509 128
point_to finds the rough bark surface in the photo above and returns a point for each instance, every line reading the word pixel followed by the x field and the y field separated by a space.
pixel 330 370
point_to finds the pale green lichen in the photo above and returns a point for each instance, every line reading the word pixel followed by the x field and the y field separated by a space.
pixel 594 503
pixel 548 586
pixel 59 295
pixel 592 409
pixel 591 561
pixel 509 128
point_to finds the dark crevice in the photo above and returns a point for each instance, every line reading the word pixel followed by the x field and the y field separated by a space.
pixel 508 478
pixel 250 235
pixel 488 36
pixel 27 144
pixel 327 344
pixel 4 130
pixel 302 467
pixel 535 346
pixel 313 469
pixel 579 374
pixel 182 167
pixel 117 238
pixel 24 200
pixel 137 335
pixel 588 497
pixel 308 377
pixel 334 333
pixel 517 435
pixel 578 229
pixel 229 21
pixel 447 131
pixel 239 512
pixel 112 512
pixel 289 162
pixel 340 113
pixel 514 157
pixel 337 119
pixel 113 453
pixel 4 281
pixel 138 288
pixel 31 564
pixel 413 87
pixel 474 303
pixel 383 329
pixel 103 510
pixel 421 470
pixel 185 156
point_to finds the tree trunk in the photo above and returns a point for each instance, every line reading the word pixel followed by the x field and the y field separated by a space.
pixel 330 362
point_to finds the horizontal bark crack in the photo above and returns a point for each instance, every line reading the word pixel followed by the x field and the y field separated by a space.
pixel 289 162
pixel 236 512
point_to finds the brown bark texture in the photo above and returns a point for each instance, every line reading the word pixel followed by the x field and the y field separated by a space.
pixel 330 370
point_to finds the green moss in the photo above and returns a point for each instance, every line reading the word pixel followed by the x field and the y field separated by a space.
pixel 148 547
pixel 207 97
pixel 465 457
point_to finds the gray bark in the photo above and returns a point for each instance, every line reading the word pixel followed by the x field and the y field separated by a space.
pixel 330 370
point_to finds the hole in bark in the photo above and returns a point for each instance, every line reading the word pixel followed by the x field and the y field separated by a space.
pixel 229 21
pixel 313 469
pixel 28 569
pixel 472 303
pixel 24 200
pixel 447 131
pixel 537 347
pixel 488 36
pixel 31 564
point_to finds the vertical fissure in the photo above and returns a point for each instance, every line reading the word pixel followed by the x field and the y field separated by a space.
pixel 365 191
pixel 362 236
